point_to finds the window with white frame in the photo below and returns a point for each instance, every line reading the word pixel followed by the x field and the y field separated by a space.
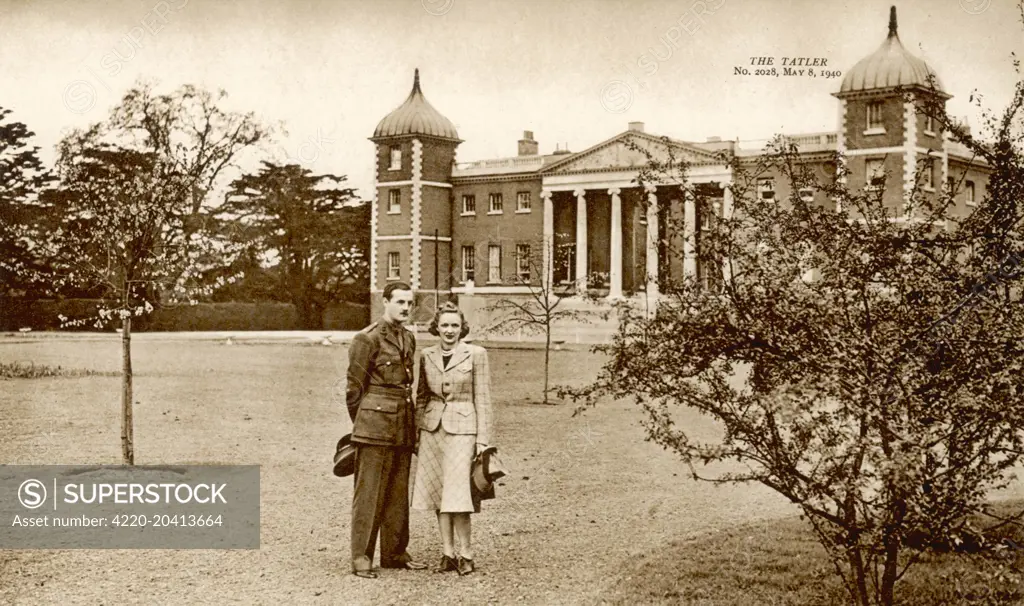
pixel 495 204
pixel 468 263
pixel 523 262
pixel 523 202
pixel 875 116
pixel 394 201
pixel 494 263
pixel 807 194
pixel 766 189
pixel 969 191
pixel 396 158
pixel 874 173
pixel 394 270
pixel 705 212
pixel 929 173
pixel 929 124
pixel 469 204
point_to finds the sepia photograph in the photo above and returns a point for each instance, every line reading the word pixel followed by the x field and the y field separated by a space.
pixel 544 302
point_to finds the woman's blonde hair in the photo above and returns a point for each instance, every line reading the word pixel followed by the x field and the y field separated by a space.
pixel 449 308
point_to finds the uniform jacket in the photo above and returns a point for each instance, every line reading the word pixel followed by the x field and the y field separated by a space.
pixel 379 385
pixel 457 397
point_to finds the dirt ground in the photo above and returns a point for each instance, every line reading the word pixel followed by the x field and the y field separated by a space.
pixel 587 500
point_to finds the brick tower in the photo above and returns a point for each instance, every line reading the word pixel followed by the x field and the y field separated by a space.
pixel 410 223
pixel 887 139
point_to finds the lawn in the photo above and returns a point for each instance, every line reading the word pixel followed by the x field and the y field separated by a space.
pixel 591 513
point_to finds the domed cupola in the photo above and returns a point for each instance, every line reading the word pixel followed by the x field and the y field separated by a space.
pixel 416 116
pixel 890 66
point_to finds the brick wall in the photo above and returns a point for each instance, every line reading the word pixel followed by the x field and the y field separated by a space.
pixel 436 211
pixel 856 123
pixel 393 224
pixel 437 160
pixel 505 229
pixel 384 160
pixel 403 250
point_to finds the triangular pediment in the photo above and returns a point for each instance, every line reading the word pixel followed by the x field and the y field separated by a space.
pixel 621 153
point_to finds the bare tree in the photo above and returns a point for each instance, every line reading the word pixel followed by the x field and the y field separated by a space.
pixel 542 305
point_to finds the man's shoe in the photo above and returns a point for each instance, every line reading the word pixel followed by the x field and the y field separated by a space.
pixel 465 566
pixel 405 565
pixel 448 564
pixel 365 574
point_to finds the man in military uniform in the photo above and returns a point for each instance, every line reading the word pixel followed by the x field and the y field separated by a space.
pixel 379 398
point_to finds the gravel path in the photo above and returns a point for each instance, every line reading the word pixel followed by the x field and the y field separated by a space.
pixel 587 499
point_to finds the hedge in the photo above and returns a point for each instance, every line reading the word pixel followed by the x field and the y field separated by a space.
pixel 42 315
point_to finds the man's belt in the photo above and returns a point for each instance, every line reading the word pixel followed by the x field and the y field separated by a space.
pixel 394 392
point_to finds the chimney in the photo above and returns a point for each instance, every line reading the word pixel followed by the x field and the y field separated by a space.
pixel 527 146
pixel 636 126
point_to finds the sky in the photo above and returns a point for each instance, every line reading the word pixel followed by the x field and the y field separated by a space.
pixel 575 73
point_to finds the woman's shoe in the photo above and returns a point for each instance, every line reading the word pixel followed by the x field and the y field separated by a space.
pixel 448 564
pixel 465 566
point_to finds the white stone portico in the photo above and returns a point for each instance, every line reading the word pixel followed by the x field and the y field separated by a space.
pixel 604 176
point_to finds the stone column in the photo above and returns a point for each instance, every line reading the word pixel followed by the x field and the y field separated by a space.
pixel 689 235
pixel 615 271
pixel 652 242
pixel 548 240
pixel 726 214
pixel 581 241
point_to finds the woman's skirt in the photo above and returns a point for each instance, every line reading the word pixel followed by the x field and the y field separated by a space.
pixel 442 472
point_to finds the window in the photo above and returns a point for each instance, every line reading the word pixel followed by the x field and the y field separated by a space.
pixel 929 173
pixel 523 203
pixel 807 194
pixel 496 206
pixel 394 272
pixel 709 271
pixel 523 262
pixel 494 263
pixel 929 124
pixel 766 189
pixel 468 263
pixel 394 201
pixel 469 205
pixel 875 116
pixel 396 158
pixel 874 173
pixel 704 214
pixel 565 266
pixel 969 190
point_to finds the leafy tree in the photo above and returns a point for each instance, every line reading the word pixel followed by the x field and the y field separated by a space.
pixel 22 175
pixel 543 306
pixel 126 220
pixel 880 394
pixel 191 132
pixel 116 226
pixel 315 227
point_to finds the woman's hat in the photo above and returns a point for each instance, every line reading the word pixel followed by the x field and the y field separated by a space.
pixel 345 457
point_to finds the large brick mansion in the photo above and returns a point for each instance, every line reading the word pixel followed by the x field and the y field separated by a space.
pixel 464 228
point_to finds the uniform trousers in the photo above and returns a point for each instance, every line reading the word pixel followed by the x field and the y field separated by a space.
pixel 380 503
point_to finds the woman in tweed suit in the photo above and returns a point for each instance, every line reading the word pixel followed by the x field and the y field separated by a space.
pixel 453 412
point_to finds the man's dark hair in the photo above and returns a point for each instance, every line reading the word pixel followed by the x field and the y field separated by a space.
pixel 392 287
